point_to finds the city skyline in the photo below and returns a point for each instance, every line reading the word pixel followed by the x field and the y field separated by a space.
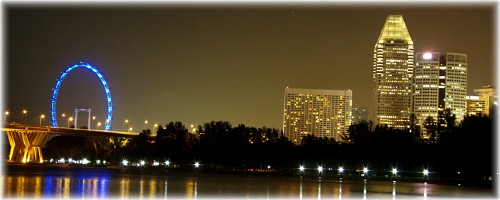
pixel 197 64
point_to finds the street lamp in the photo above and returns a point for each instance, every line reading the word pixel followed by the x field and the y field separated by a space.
pixel 41 118
pixel 93 118
pixel 196 164
pixel 365 170
pixel 130 129
pixel 154 128
pixel 145 124
pixel 341 169
pixel 426 172
pixel 25 113
pixel 98 124
pixel 320 169
pixel 394 171
pixel 126 124
pixel 70 120
pixel 5 117
pixel 301 168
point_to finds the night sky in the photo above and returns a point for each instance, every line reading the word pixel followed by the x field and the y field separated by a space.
pixel 198 63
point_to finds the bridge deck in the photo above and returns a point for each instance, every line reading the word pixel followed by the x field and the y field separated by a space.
pixel 70 131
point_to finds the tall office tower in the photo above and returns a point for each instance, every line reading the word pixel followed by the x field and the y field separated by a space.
pixel 324 113
pixel 393 75
pixel 440 83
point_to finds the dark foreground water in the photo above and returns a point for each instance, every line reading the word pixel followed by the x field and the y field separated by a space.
pixel 68 182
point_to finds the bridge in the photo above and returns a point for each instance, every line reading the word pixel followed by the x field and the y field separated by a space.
pixel 26 142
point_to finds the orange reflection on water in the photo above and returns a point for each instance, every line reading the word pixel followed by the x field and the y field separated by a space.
pixel 152 188
pixel 20 187
pixel 38 187
pixel 192 188
pixel 125 187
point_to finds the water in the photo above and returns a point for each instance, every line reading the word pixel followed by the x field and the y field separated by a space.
pixel 104 183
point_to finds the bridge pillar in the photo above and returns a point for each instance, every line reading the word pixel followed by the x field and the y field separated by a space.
pixel 26 145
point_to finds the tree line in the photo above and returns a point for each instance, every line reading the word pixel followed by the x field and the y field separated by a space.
pixel 465 147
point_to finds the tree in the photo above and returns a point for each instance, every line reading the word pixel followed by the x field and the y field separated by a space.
pixel 360 133
pixel 430 126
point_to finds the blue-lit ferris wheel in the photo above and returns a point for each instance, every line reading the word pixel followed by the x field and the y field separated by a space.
pixel 55 91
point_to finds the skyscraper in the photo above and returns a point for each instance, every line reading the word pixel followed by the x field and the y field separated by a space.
pixel 393 74
pixel 440 83
pixel 324 113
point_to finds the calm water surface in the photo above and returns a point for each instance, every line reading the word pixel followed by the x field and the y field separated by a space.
pixel 102 183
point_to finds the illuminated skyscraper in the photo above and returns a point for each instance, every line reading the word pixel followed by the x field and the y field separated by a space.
pixel 324 113
pixel 440 83
pixel 393 74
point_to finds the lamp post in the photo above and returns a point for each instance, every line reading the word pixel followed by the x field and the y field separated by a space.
pixel 5 117
pixel 129 129
pixel 145 124
pixel 97 126
pixel 93 118
pixel 41 118
pixel 25 113
pixel 126 124
pixel 70 119
pixel 154 128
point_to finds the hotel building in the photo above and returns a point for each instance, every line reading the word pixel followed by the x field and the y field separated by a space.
pixel 324 113
pixel 393 75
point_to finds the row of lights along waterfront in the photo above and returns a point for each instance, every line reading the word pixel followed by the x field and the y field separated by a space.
pixel 70 119
pixel 155 163
pixel 341 170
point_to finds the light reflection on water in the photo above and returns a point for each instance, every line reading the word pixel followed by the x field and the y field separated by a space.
pixel 192 186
